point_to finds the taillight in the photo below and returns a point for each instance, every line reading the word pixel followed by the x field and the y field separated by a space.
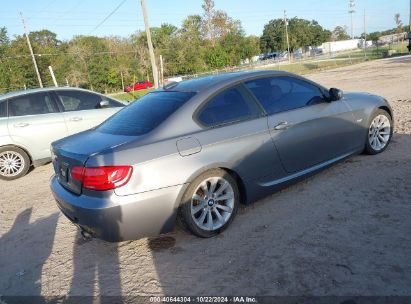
pixel 102 178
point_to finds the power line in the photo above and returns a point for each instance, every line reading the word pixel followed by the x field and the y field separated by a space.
pixel 108 16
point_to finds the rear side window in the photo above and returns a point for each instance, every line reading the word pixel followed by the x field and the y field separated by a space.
pixel 145 114
pixel 32 104
pixel 226 107
pixel 3 109
pixel 78 101
pixel 282 93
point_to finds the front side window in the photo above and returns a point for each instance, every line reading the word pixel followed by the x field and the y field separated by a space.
pixel 31 104
pixel 144 115
pixel 226 107
pixel 283 93
pixel 78 101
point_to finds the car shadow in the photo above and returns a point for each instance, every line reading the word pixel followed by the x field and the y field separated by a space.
pixel 96 270
pixel 14 244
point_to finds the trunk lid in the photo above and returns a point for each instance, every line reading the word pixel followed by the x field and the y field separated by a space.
pixel 75 150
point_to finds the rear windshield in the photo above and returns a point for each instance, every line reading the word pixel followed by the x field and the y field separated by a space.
pixel 145 114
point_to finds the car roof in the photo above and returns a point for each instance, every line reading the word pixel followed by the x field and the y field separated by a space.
pixel 39 90
pixel 209 82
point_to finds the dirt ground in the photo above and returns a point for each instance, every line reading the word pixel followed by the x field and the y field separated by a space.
pixel 345 231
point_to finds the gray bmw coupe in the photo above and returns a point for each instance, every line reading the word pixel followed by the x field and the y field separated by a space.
pixel 198 148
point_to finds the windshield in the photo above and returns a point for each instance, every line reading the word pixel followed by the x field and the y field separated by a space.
pixel 144 115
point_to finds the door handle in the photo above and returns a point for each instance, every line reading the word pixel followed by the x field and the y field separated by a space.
pixel 282 126
pixel 21 124
pixel 76 118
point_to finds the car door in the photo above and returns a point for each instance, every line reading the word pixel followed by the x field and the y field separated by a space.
pixel 306 128
pixel 35 122
pixel 84 110
pixel 233 121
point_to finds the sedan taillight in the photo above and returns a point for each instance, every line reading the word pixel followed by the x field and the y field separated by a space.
pixel 102 178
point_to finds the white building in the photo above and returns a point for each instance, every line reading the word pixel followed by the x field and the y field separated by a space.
pixel 343 45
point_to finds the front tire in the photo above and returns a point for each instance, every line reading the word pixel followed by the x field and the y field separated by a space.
pixel 210 203
pixel 379 132
pixel 14 163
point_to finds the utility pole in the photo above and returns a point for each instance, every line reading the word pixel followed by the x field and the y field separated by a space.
pixel 352 11
pixel 150 44
pixel 122 80
pixel 365 37
pixel 409 33
pixel 286 34
pixel 31 51
pixel 161 70
pixel 53 76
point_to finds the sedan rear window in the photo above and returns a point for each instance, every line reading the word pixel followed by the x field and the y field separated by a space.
pixel 145 114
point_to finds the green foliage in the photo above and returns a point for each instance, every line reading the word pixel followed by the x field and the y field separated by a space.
pixel 374 36
pixel 340 33
pixel 4 38
pixel 302 33
pixel 202 43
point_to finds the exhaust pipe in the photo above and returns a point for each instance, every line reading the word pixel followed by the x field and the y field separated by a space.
pixel 86 236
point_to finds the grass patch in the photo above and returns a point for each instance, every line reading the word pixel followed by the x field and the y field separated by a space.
pixel 377 52
pixel 131 96
pixel 354 57
pixel 310 67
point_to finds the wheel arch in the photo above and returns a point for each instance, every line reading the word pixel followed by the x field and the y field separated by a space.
pixel 22 148
pixel 240 184
pixel 233 173
pixel 387 109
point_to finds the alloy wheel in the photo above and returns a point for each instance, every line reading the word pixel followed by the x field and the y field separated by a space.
pixel 379 132
pixel 11 163
pixel 212 203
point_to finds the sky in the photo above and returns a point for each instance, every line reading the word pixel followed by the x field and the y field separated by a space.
pixel 85 17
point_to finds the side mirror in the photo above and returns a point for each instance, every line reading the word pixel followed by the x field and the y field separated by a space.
pixel 104 104
pixel 335 94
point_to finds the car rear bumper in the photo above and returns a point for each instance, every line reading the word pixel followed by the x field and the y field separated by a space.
pixel 119 218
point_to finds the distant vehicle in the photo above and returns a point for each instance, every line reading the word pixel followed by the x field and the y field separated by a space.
pixel 316 51
pixel 30 120
pixel 141 85
pixel 283 55
pixel 298 54
pixel 200 147
pixel 267 56
pixel 173 79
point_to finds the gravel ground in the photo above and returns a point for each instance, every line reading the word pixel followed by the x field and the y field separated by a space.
pixel 345 231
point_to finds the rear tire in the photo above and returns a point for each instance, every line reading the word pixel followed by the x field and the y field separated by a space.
pixel 210 203
pixel 379 132
pixel 14 163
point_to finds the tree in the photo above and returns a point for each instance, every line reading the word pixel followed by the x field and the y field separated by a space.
pixel 201 43
pixel 340 33
pixel 301 32
pixel 374 36
pixel 4 38
pixel 398 22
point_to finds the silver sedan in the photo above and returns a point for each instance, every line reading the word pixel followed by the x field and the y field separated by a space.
pixel 198 148
pixel 31 120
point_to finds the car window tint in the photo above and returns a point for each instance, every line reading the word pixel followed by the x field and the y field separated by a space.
pixel 226 107
pixel 145 114
pixel 112 103
pixel 278 94
pixel 3 109
pixel 31 104
pixel 78 101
